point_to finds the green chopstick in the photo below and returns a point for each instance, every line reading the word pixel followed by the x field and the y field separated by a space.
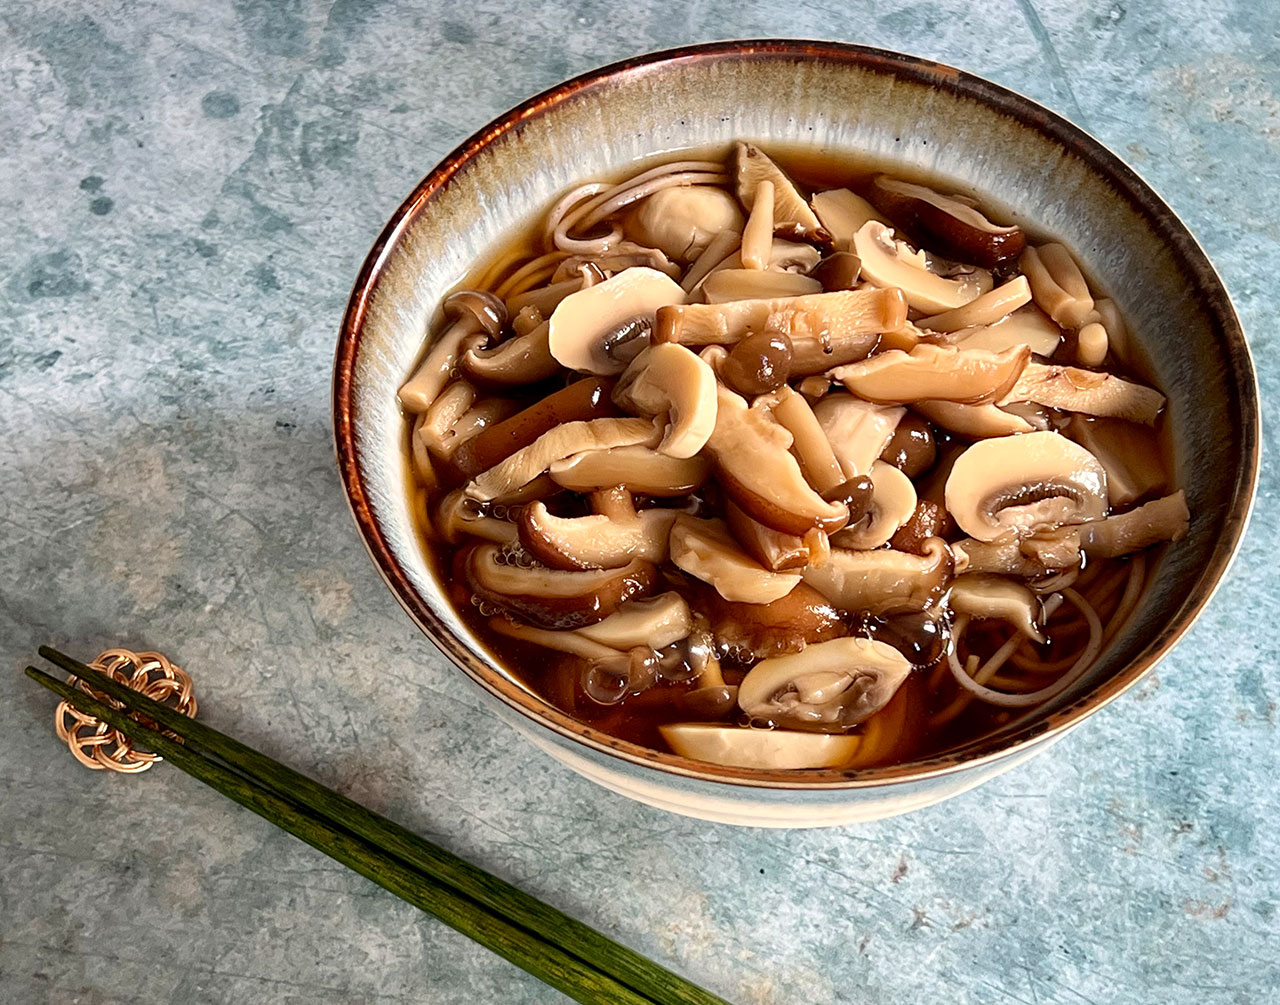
pixel 561 951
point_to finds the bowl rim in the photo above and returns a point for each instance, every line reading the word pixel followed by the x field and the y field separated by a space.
pixel 1128 185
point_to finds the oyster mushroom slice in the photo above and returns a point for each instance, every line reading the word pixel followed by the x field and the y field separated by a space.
pixel 707 551
pixel 595 542
pixel 934 372
pixel 1027 326
pixel 1024 484
pixel 751 452
pixel 884 581
pixel 682 221
pixel 830 685
pixel 638 469
pixel 1059 287
pixel 777 749
pixel 1028 557
pixel 974 421
pixel 843 213
pixel 890 264
pixel 1087 391
pixel 988 309
pixel 1160 520
pixel 552 598
pixel 667 379
pixel 893 501
pixel 572 642
pixel 857 430
pixel 985 596
pixel 960 229
pixel 809 442
pixel 790 211
pixel 578 328
pixel 726 285
pixel 656 622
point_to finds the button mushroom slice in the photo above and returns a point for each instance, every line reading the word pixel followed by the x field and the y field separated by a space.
pixel 1026 557
pixel 751 453
pixel 707 551
pixel 790 211
pixel 1024 484
pixel 843 214
pixel 474 316
pixel 829 686
pixel 1160 520
pixel 988 309
pixel 893 501
pixel 683 221
pixel 973 421
pixel 857 430
pixel 556 444
pixel 981 595
pixel 668 380
pixel 961 230
pixel 656 622
pixel 553 598
pixel 935 372
pixel 1130 453
pixel 525 359
pixel 1094 393
pixel 1058 285
pixel 579 327
pixel 601 541
pixel 890 264
pixel 884 581
pixel 456 517
pixel 809 441
pixel 1028 326
pixel 726 285
pixel 776 749
pixel 773 549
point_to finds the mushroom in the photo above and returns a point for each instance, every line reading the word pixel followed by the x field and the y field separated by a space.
pixel 474 316
pixel 1129 452
pixel 579 402
pixel 1058 285
pixel 579 329
pixel 683 220
pixel 843 214
pixel 552 598
pixel 829 687
pixel 1028 326
pixel 457 516
pixel 624 255
pixel 656 622
pixel 857 430
pixel 773 549
pixel 751 453
pixel 958 228
pixel 981 595
pixel 475 420
pixel 884 581
pixel 935 372
pixel 1091 344
pixel 748 632
pixel 890 264
pixel 1160 520
pixel 928 520
pixel 1027 557
pixel 826 329
pixel 610 538
pixel 776 749
pixel 725 285
pixel 757 235
pixel 1088 391
pixel 707 551
pixel 669 380
pixel 545 299
pixel 758 363
pixel 973 421
pixel 1107 313
pixel 988 309
pixel 639 469
pixel 1024 483
pixel 912 448
pixel 722 248
pixel 838 271
pixel 556 444
pixel 809 442
pixel 525 359
pixel 573 642
pixel 893 501
pixel 450 405
pixel 790 212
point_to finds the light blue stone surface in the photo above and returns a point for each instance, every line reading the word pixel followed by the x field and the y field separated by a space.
pixel 186 192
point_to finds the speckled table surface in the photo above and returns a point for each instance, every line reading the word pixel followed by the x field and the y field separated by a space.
pixel 187 191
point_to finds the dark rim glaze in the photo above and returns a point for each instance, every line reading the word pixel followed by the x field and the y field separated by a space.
pixel 993 747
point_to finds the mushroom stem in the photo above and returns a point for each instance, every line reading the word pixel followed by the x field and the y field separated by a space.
pixel 757 237
pixel 810 443
pixel 1059 287
pixel 525 359
pixel 985 310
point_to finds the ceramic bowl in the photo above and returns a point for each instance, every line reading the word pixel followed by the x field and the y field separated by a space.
pixel 821 97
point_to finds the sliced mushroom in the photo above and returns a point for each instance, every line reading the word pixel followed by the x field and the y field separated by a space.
pixel 1160 520
pixel 893 501
pixel 1129 452
pixel 751 452
pixel 809 442
pixel 934 372
pixel 1028 326
pixel 960 230
pixel 776 551
pixel 723 247
pixel 981 595
pixel 831 686
pixel 1024 484
pixel 552 598
pixel 1059 287
pixel 725 285
pixel 601 541
pixel 625 255
pixel 1027 557
pixel 473 316
pixel 790 212
pixel 973 421
pixel 545 299
pixel 638 469
pixel 890 264
pixel 656 622
pixel 757 235
pixel 669 380
pixel 776 749
pixel 457 516
pixel 748 632
pixel 573 642
pixel 884 581
pixel 843 214
pixel 683 220
pixel 988 309
pixel 858 430
pixel 579 328
pixel 707 551
pixel 928 520
pixel 525 359
pixel 1088 391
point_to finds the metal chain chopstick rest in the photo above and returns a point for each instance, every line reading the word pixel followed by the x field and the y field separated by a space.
pixel 97 745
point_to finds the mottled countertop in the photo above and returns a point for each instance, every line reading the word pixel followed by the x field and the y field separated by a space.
pixel 187 190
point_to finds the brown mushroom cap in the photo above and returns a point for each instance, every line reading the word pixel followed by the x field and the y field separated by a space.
pixel 525 359
pixel 489 313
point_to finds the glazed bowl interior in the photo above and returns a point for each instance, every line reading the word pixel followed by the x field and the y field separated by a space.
pixel 821 98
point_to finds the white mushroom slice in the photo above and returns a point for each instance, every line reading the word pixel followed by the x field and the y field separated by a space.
pixel 1028 326
pixel 580 327
pixel 556 444
pixel 893 500
pixel 809 441
pixel 1024 484
pixel 831 685
pixel 595 542
pixel 843 213
pixel 884 581
pixel 777 749
pixel 1029 557
pixel 667 379
pixel 985 596
pixel 857 430
pixel 987 309
pixel 790 211
pixel 1164 519
pixel 974 421
pixel 575 643
pixel 638 469
pixel 1059 287
pixel 656 622
pixel 1088 391
pixel 707 551
pixel 934 372
pixel 1129 452
pixel 889 263
pixel 725 285
pixel 681 221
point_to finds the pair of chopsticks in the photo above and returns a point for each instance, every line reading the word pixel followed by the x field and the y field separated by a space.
pixel 570 956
